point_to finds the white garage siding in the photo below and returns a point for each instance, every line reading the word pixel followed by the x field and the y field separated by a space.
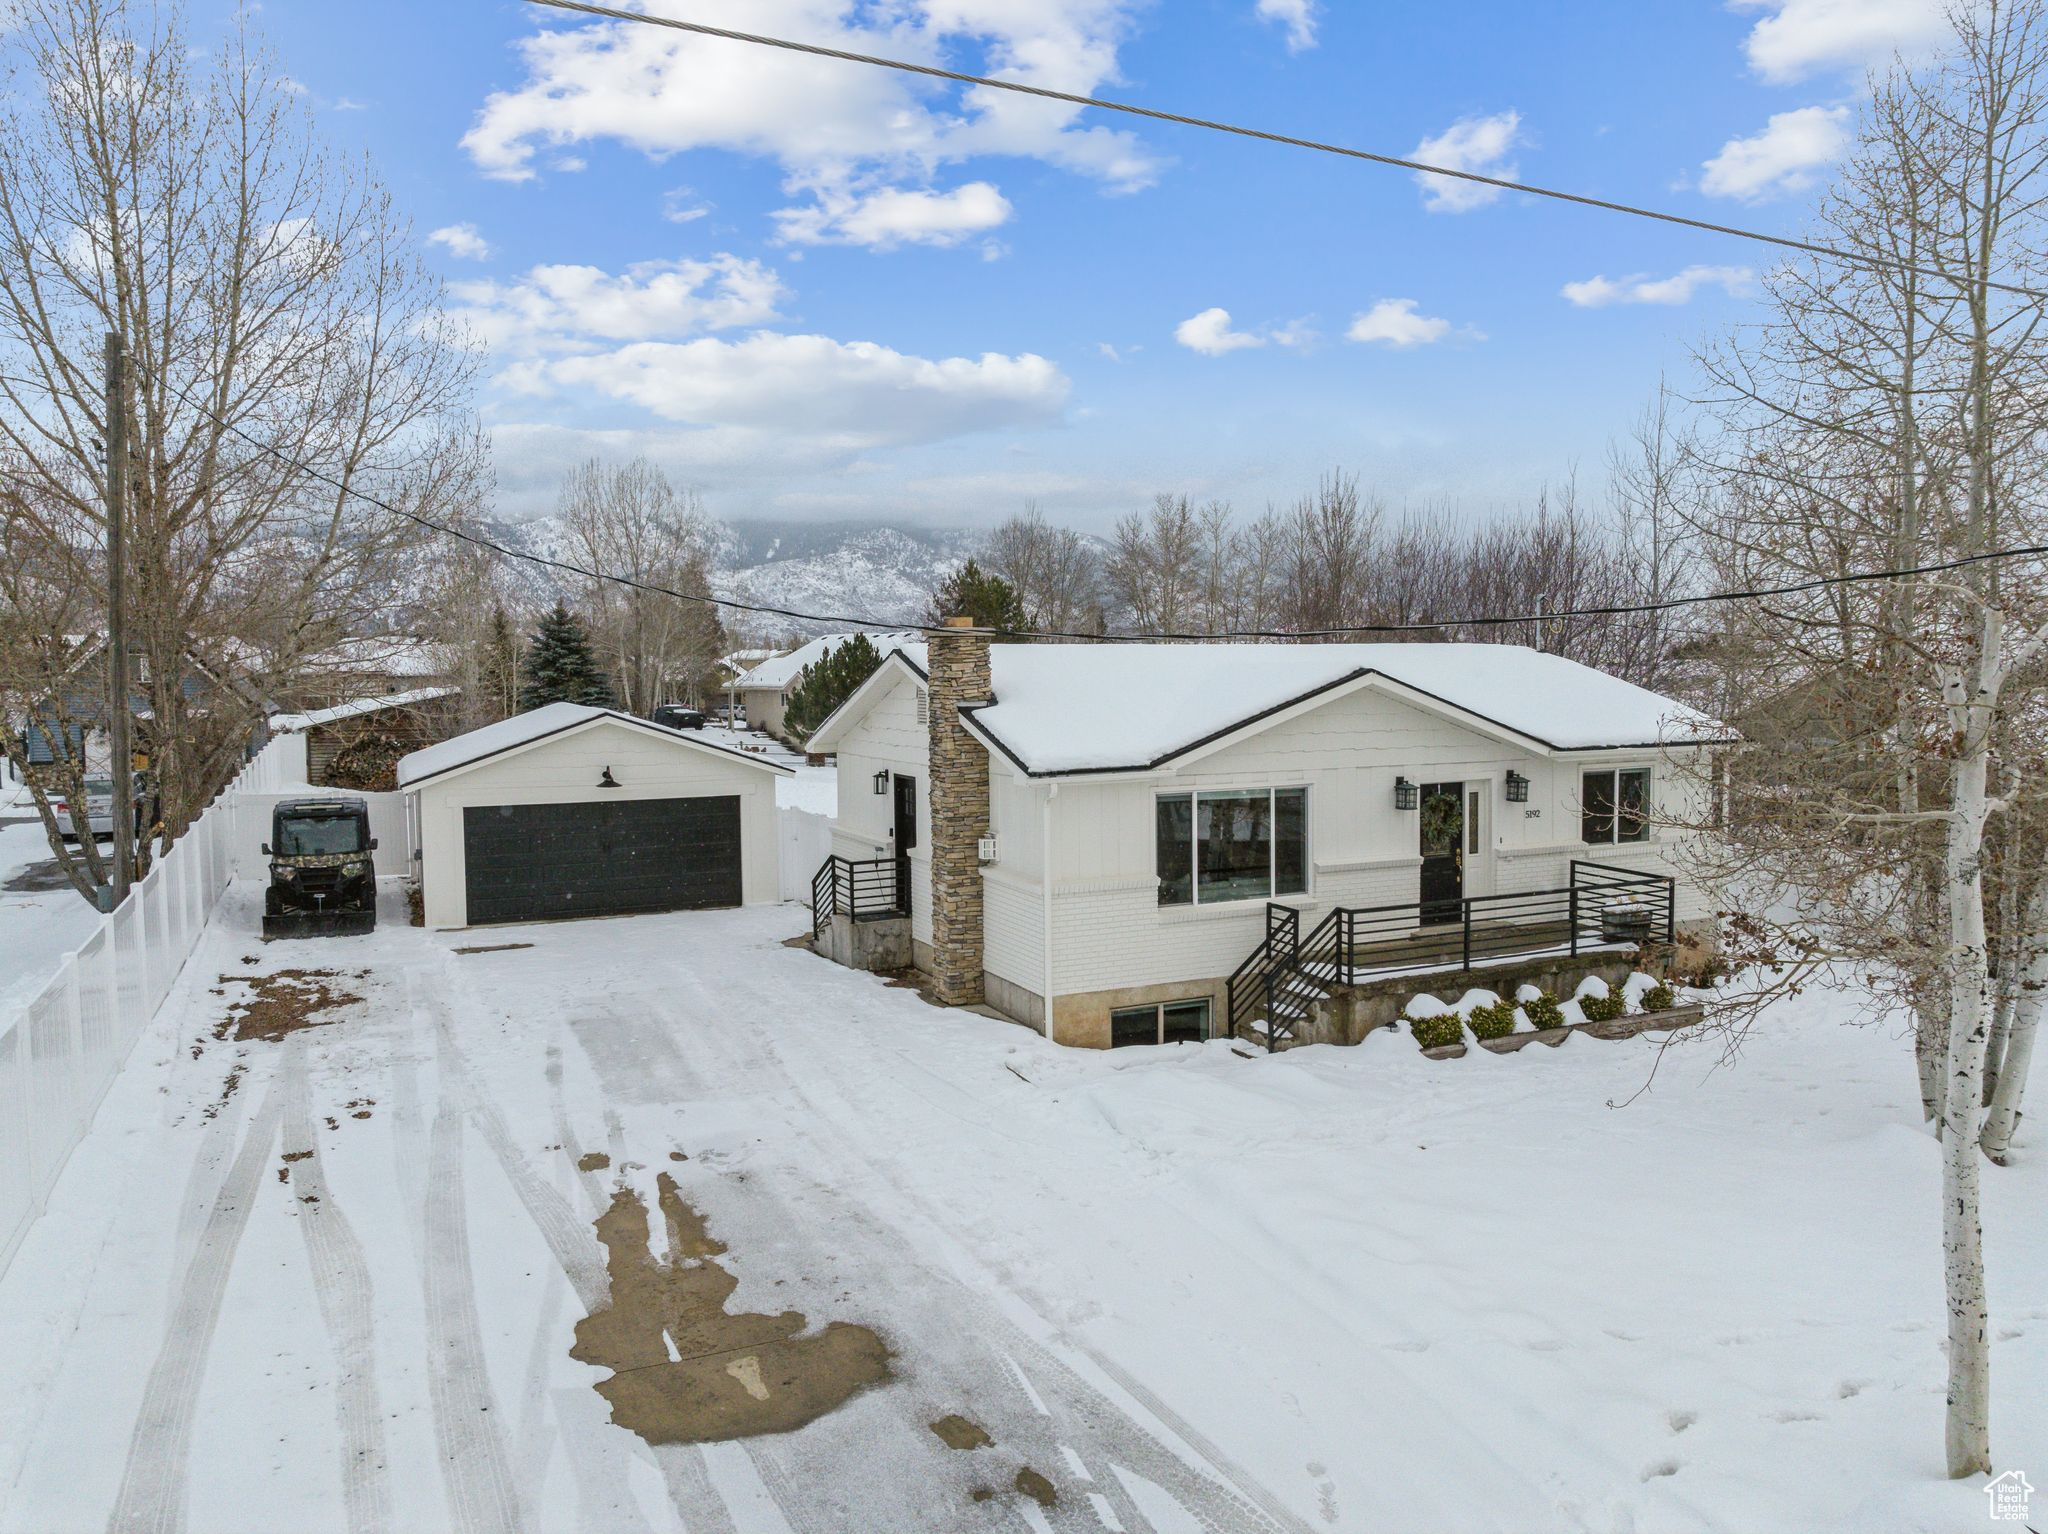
pixel 564 769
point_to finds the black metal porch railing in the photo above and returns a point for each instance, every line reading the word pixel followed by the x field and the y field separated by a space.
pixel 1604 909
pixel 869 890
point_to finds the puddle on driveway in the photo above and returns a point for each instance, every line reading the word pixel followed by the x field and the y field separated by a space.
pixel 687 1371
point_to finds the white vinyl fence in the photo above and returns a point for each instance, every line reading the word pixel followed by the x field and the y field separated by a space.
pixel 806 842
pixel 60 1052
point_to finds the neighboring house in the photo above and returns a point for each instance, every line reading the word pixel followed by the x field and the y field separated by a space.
pixel 403 722
pixel 73 724
pixel 577 811
pixel 764 690
pixel 1125 828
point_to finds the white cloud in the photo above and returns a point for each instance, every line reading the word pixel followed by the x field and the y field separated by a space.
pixel 462 241
pixel 556 308
pixel 857 395
pixel 1678 288
pixel 1394 322
pixel 1797 37
pixel 679 205
pixel 1210 334
pixel 896 216
pixel 830 128
pixel 1297 16
pixel 1782 158
pixel 1478 144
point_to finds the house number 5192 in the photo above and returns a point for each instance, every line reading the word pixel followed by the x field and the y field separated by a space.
pixel 1532 814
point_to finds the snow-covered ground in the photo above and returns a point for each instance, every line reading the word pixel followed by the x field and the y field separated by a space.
pixel 1330 1290
pixel 37 927
pixel 813 789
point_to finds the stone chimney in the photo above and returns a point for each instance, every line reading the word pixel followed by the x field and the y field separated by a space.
pixel 958 801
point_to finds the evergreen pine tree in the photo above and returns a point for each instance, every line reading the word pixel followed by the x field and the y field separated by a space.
pixel 972 592
pixel 559 666
pixel 828 682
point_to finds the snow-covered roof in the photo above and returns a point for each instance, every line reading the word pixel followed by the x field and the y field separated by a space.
pixel 740 662
pixel 551 719
pixel 1062 708
pixel 774 675
pixel 287 724
pixel 391 654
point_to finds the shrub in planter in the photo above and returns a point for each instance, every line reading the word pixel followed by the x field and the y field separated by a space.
pixel 1659 998
pixel 1602 1008
pixel 1493 1021
pixel 1544 1011
pixel 1437 1030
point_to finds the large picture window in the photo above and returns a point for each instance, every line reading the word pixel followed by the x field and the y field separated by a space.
pixel 1237 845
pixel 1614 806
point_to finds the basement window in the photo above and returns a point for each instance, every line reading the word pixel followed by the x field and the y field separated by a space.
pixel 1233 845
pixel 1173 1022
pixel 1614 806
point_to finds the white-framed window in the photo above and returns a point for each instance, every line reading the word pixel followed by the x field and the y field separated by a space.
pixel 1614 805
pixel 1231 844
pixel 1171 1022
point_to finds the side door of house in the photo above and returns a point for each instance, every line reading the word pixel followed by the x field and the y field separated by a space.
pixel 1443 852
pixel 905 837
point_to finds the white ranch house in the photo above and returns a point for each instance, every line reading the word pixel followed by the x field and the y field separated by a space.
pixel 1120 828
pixel 763 689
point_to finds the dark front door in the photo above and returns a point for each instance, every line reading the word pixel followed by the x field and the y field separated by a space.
pixel 1443 851
pixel 607 857
pixel 906 837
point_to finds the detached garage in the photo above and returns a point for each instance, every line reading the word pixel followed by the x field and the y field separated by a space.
pixel 574 811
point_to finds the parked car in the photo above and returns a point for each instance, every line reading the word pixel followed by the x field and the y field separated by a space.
pixel 99 808
pixel 679 716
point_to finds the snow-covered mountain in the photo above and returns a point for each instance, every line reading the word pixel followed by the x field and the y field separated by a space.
pixel 841 570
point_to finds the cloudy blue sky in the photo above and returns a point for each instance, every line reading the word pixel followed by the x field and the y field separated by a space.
pixel 816 290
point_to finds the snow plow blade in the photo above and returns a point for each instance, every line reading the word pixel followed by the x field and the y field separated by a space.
pixel 319 924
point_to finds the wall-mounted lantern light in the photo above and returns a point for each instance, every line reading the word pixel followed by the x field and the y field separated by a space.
pixel 882 781
pixel 1406 795
pixel 607 781
pixel 1518 788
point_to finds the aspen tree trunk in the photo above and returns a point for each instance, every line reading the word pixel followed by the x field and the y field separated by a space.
pixel 1973 706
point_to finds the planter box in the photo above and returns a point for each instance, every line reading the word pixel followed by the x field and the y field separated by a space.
pixel 1508 1044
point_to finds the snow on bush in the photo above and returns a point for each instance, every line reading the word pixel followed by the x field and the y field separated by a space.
pixel 1597 1003
pixel 1426 1005
pixel 1542 1009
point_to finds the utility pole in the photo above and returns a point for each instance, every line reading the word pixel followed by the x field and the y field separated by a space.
pixel 1542 634
pixel 122 809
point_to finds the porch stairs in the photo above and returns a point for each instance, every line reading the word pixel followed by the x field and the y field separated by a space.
pixel 1605 911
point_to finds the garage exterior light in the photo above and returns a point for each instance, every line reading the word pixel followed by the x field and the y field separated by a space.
pixel 607 781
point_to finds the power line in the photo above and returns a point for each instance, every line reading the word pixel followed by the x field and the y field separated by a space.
pixel 1397 162
pixel 1503 620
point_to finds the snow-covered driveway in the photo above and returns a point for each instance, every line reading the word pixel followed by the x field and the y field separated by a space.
pixel 1172 1289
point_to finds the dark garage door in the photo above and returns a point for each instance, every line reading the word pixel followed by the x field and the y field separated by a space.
pixel 537 862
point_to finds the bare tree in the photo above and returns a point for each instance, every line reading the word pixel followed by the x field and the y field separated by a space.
pixel 1878 419
pixel 1056 572
pixel 277 321
pixel 629 520
pixel 1152 573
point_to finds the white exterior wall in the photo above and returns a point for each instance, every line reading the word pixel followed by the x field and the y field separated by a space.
pixel 1109 930
pixel 564 769
pixel 765 707
pixel 888 736
pixel 1012 895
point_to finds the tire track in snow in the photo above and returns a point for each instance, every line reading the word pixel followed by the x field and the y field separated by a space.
pixel 1230 1500
pixel 342 1290
pixel 475 1473
pixel 154 1481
